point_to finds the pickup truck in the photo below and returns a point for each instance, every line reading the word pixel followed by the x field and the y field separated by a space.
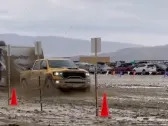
pixel 58 73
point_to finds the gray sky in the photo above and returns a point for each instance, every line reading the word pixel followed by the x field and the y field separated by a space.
pixel 135 21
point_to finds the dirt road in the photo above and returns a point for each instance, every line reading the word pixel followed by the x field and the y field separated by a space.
pixel 139 100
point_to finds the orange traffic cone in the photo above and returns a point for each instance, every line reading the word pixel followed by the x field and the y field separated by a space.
pixel 14 101
pixel 105 109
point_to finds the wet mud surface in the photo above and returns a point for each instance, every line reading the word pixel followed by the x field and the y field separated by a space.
pixel 133 101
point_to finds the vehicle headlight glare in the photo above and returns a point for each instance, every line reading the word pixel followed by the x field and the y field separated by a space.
pixel 87 74
pixel 57 82
pixel 57 73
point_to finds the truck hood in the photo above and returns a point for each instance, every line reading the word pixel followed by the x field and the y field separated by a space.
pixel 67 69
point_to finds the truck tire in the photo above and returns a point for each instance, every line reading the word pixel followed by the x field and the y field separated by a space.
pixel 46 88
pixel 48 83
pixel 49 89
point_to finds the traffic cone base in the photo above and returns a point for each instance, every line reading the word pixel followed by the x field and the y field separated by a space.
pixel 105 109
pixel 14 101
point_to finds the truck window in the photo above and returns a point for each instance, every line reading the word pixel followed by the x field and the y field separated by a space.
pixel 37 65
pixel 61 64
pixel 43 65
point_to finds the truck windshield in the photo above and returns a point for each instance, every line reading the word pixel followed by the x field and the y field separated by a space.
pixel 61 64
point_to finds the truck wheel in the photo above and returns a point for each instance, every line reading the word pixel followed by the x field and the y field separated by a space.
pixel 49 89
pixel 48 84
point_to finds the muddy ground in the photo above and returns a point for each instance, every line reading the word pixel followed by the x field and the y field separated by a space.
pixel 133 101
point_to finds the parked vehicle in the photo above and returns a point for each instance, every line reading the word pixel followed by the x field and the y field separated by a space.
pixel 112 64
pixel 119 63
pixel 92 69
pixel 166 63
pixel 145 68
pixel 55 73
pixel 140 63
pixel 161 68
pixel 83 65
pixel 124 68
pixel 101 68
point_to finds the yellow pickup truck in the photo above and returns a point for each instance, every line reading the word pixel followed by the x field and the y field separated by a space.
pixel 59 73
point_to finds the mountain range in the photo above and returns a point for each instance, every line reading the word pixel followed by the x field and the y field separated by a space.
pixel 55 46
pixel 139 53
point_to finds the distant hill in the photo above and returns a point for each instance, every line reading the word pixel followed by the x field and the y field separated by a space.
pixel 140 53
pixel 54 46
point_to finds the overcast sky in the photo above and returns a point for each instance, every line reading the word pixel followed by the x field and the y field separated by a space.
pixel 134 21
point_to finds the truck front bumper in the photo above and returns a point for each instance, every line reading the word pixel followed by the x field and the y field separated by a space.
pixel 72 83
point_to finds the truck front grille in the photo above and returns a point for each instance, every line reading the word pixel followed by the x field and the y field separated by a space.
pixel 74 75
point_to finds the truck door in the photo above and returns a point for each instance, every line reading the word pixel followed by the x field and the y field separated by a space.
pixel 43 71
pixel 34 75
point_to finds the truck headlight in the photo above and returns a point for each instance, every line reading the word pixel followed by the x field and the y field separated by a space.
pixel 57 82
pixel 87 74
pixel 57 73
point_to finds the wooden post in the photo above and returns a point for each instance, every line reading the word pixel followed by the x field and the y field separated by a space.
pixel 9 71
pixel 95 48
pixel 38 53
pixel 40 95
pixel 9 82
pixel 96 88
